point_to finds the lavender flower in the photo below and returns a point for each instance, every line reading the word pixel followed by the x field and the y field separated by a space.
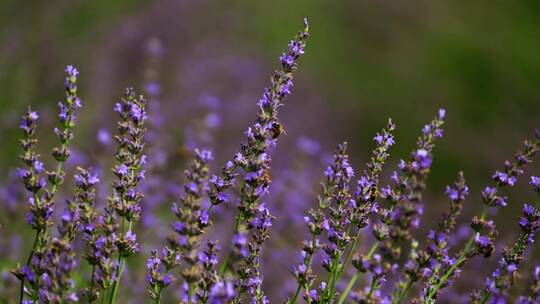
pixel 55 283
pixel 363 203
pixel 504 276
pixel 335 196
pixel 84 211
pixel 403 216
pixel 254 160
pixel 346 213
pixel 423 263
pixel 124 201
pixel 481 242
pixel 405 198
pixel 42 198
pixel 222 292
pixel 189 227
pixel 211 286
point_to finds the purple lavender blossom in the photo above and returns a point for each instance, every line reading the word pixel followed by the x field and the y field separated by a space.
pixel 423 263
pixel 189 227
pixel 502 279
pixel 124 203
pixel 481 242
pixel 254 161
pixel 403 216
pixel 41 198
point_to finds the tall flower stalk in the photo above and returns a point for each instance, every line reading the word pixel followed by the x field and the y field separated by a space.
pixel 481 242
pixel 436 254
pixel 41 184
pixel 398 221
pixel 254 160
pixel 85 182
pixel 57 285
pixel 362 205
pixel 503 277
pixel 183 249
pixel 125 199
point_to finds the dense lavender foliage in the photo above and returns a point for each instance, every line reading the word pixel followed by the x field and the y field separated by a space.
pixel 361 245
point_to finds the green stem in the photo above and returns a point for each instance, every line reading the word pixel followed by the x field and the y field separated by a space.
pixel 158 298
pixel 403 293
pixel 104 296
pixel 296 293
pixel 486 298
pixel 355 277
pixel 119 270
pixel 374 281
pixel 92 281
pixel 349 254
pixel 328 291
pixel 460 261
pixel 224 265
pixel 308 265
pixel 36 238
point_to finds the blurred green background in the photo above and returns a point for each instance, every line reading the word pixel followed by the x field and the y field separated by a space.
pixel 366 61
pixel 373 59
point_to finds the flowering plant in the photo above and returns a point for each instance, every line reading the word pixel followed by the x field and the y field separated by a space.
pixel 85 257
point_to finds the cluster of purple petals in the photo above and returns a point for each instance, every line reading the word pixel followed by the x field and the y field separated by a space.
pixel 405 195
pixel 423 263
pixel 125 199
pixel 502 279
pixel 486 229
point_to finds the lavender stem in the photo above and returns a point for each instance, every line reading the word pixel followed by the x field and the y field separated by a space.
pixel 356 276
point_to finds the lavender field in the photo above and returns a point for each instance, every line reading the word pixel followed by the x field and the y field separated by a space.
pixel 204 152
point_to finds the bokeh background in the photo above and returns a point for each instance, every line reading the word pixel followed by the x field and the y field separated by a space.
pixel 366 61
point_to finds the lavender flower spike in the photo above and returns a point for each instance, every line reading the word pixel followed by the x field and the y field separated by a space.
pixel 191 222
pixel 336 198
pixel 85 182
pixel 317 223
pixel 481 242
pixel 362 205
pixel 503 277
pixel 129 172
pixel 397 223
pixel 423 263
pixel 254 158
pixel 42 198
